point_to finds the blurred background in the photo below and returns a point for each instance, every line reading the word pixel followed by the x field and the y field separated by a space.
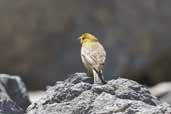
pixel 38 38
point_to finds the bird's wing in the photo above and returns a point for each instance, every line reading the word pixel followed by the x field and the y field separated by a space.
pixel 94 55
pixel 87 57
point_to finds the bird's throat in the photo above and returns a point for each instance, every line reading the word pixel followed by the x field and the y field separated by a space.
pixel 89 43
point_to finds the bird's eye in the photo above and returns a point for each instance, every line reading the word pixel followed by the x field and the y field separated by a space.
pixel 83 38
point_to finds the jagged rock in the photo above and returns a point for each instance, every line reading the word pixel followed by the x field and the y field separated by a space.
pixel 13 95
pixel 77 95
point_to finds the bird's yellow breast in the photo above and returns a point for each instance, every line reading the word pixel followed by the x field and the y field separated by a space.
pixel 89 43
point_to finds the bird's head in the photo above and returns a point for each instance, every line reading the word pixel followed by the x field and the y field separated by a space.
pixel 87 37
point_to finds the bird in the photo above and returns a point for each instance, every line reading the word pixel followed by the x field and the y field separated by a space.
pixel 93 56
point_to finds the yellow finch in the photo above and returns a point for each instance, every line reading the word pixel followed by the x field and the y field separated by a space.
pixel 93 56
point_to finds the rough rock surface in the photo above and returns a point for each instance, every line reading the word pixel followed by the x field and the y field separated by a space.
pixel 77 95
pixel 166 98
pixel 13 95
pixel 162 91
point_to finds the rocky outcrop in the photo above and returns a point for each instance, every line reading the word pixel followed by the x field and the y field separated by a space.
pixel 77 95
pixel 13 95
pixel 162 91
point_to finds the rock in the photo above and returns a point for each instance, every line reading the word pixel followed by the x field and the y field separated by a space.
pixel 36 95
pixel 166 97
pixel 13 95
pixel 162 91
pixel 77 95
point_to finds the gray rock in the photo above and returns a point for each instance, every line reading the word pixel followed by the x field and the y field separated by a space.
pixel 77 95
pixel 13 95
pixel 36 95
pixel 162 91
pixel 166 97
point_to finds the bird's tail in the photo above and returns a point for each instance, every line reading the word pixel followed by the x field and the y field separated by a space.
pixel 98 77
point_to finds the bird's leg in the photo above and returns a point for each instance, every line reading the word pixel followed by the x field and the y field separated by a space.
pixel 96 78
